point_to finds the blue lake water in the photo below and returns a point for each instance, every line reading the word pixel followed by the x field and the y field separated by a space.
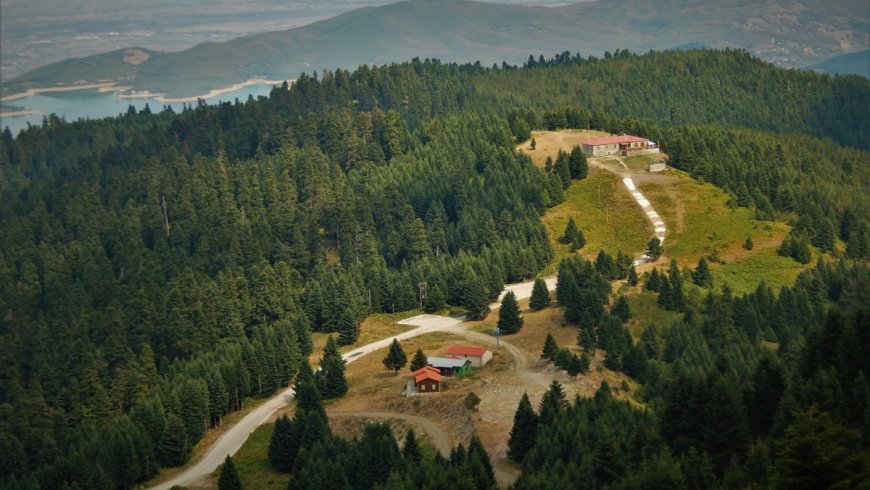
pixel 90 104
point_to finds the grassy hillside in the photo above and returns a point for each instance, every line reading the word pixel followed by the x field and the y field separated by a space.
pixel 457 31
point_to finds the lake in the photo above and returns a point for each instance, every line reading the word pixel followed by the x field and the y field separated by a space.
pixel 91 104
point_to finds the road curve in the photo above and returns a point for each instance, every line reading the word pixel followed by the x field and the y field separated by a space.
pixel 233 438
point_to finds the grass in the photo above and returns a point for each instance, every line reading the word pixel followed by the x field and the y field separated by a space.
pixel 700 222
pixel 252 462
pixel 375 327
pixel 645 310
pixel 605 212
pixel 744 274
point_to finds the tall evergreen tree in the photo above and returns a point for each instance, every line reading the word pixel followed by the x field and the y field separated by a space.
pixel 283 445
pixel 577 164
pixel 540 295
pixel 419 361
pixel 550 347
pixel 621 309
pixel 474 298
pixel 570 232
pixel 654 249
pixel 229 479
pixel 396 357
pixel 332 370
pixel 509 319
pixel 701 276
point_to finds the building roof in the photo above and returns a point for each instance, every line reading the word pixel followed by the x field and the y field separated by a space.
pixel 457 350
pixel 425 373
pixel 444 362
pixel 613 140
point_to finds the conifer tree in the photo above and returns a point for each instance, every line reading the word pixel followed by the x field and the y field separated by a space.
pixel 524 431
pixel 653 282
pixel 396 357
pixel 477 455
pixel 570 232
pixel 701 276
pixel 578 242
pixel 419 361
pixel 552 404
pixel 621 309
pixel 540 295
pixel 550 347
pixel 654 249
pixel 748 244
pixel 229 479
pixel 632 276
pixel 411 448
pixel 509 319
pixel 577 164
pixel 332 370
pixel 283 445
pixel 474 298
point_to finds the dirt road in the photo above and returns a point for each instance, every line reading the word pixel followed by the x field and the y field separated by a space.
pixel 232 439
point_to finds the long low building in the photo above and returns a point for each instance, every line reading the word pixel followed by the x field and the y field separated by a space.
pixel 451 367
pixel 618 145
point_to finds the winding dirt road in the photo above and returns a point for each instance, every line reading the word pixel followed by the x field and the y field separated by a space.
pixel 234 437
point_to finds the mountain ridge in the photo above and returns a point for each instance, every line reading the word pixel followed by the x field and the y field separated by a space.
pixel 469 31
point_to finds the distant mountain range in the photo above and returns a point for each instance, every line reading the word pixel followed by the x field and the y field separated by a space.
pixel 788 33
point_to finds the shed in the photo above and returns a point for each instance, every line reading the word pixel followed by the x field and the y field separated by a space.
pixel 427 380
pixel 477 355
pixel 451 367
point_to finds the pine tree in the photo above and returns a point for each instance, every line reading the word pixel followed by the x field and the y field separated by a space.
pixel 474 298
pixel 654 249
pixel 229 479
pixel 509 319
pixel 411 448
pixel 621 309
pixel 283 445
pixel 524 431
pixel 701 276
pixel 540 295
pixel 570 232
pixel 577 164
pixel 552 404
pixel 653 282
pixel 396 357
pixel 419 361
pixel 578 242
pixel 332 370
pixel 632 276
pixel 550 347
pixel 748 244
pixel 534 143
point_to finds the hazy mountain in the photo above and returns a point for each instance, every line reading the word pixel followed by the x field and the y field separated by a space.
pixel 858 63
pixel 786 32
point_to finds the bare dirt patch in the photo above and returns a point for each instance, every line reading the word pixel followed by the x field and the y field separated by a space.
pixel 134 56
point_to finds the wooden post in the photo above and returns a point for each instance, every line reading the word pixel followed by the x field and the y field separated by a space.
pixel 165 214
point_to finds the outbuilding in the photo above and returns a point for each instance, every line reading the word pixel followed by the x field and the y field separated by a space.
pixel 451 367
pixel 624 145
pixel 477 355
pixel 427 380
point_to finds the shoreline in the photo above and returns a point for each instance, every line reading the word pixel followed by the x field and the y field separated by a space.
pixel 26 112
pixel 102 87
pixel 114 87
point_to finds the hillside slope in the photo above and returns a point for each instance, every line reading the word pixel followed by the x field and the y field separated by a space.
pixel 788 33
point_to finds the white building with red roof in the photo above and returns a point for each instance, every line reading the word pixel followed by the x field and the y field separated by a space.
pixel 477 355
pixel 618 145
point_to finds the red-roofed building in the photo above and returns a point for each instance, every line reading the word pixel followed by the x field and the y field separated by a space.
pixel 618 145
pixel 477 355
pixel 427 380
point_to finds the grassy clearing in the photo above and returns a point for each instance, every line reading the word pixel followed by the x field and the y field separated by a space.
pixel 743 275
pixel 640 163
pixel 645 310
pixel 700 223
pixel 605 212
pixel 252 462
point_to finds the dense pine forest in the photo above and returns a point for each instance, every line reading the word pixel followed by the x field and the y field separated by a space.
pixel 158 269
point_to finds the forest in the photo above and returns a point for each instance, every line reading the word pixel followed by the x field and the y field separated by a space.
pixel 159 269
